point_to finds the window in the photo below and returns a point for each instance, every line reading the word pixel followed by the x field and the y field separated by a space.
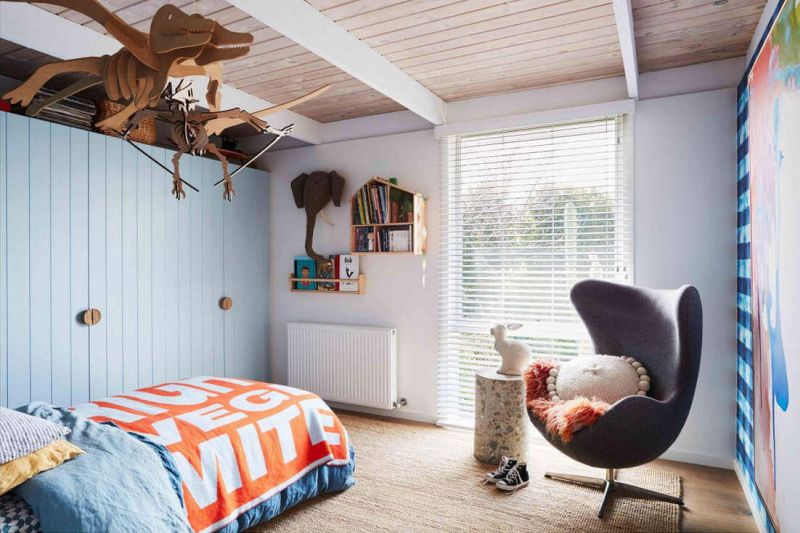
pixel 525 214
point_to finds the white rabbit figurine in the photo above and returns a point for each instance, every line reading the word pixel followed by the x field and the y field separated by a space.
pixel 515 354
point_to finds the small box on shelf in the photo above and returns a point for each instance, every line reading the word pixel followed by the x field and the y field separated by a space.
pixel 387 218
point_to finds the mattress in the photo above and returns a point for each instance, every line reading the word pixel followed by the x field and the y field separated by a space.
pixel 201 454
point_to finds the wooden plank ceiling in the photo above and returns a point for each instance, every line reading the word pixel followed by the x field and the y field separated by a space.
pixel 675 33
pixel 276 69
pixel 467 48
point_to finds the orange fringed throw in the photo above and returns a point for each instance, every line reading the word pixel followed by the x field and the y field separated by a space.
pixel 562 418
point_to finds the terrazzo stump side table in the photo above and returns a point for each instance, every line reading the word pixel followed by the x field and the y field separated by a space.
pixel 501 421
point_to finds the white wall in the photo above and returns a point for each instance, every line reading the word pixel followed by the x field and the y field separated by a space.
pixel 685 165
pixel 401 290
pixel 685 232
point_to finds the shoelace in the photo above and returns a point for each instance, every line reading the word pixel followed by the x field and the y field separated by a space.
pixel 501 469
pixel 513 477
pixel 500 472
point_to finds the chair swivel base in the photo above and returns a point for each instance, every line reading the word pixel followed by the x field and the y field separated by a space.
pixel 610 486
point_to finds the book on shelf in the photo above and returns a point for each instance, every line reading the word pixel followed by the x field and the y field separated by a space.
pixel 378 203
pixel 305 267
pixel 400 240
pixel 386 239
pixel 382 194
pixel 359 214
pixel 346 267
pixel 325 269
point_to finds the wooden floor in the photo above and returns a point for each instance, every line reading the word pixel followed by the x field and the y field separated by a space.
pixel 714 499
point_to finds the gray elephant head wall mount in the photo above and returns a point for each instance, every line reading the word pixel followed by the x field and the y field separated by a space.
pixel 313 192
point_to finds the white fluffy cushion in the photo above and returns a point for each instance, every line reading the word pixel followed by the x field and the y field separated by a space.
pixel 603 377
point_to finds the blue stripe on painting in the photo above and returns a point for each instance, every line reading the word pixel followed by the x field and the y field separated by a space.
pixel 744 333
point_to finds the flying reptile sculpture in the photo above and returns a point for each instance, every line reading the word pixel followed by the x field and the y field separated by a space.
pixel 190 130
pixel 177 45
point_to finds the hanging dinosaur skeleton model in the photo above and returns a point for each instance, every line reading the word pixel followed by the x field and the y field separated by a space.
pixel 190 129
pixel 177 45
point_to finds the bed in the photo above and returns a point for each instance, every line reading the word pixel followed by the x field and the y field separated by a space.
pixel 201 454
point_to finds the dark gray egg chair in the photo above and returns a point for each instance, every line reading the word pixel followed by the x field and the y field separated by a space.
pixel 662 329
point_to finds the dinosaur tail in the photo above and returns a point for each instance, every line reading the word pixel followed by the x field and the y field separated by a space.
pixel 286 105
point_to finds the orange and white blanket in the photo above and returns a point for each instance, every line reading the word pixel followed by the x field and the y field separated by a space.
pixel 235 442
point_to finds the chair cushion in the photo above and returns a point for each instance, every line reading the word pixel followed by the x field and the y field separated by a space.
pixel 607 378
pixel 589 385
pixel 21 434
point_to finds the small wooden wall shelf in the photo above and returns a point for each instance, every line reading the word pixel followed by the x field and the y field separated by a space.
pixel 361 280
pixel 382 222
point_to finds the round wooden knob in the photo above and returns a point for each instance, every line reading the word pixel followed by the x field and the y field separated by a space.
pixel 92 316
pixel 225 303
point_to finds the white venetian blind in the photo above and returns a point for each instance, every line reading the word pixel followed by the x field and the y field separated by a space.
pixel 525 214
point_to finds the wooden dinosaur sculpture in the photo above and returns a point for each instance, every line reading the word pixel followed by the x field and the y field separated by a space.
pixel 177 45
pixel 191 128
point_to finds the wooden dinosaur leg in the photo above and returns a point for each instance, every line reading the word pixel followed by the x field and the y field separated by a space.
pixel 25 92
pixel 228 193
pixel 177 184
pixel 116 122
pixel 213 94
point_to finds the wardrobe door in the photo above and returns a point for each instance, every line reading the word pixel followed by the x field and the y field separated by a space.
pixel 246 277
pixel 210 272
pixel 44 346
pixel 128 201
pixel 200 270
pixel 155 268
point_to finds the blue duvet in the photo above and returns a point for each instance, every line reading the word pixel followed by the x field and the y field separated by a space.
pixel 119 484
pixel 126 483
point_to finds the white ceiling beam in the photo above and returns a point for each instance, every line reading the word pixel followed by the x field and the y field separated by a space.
pixel 46 32
pixel 41 30
pixel 627 43
pixel 305 25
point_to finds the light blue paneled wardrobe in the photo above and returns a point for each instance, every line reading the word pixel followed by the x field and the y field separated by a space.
pixel 89 222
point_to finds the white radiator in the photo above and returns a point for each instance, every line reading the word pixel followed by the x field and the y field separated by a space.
pixel 348 364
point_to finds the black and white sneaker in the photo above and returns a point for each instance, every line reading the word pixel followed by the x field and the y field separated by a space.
pixel 506 464
pixel 516 478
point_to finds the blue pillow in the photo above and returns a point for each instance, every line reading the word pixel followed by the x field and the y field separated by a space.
pixel 120 484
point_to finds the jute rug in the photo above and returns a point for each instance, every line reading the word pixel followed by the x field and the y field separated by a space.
pixel 418 478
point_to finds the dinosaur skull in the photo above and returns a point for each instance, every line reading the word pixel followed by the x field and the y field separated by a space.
pixel 202 39
pixel 224 46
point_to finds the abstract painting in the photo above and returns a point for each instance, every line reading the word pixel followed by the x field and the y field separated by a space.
pixel 773 130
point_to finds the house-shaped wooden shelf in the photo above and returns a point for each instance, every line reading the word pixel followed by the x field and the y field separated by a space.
pixel 387 219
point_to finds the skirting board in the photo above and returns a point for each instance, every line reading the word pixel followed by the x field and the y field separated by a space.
pixel 698 459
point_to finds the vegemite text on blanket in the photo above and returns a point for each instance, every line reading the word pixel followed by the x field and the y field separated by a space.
pixel 234 442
